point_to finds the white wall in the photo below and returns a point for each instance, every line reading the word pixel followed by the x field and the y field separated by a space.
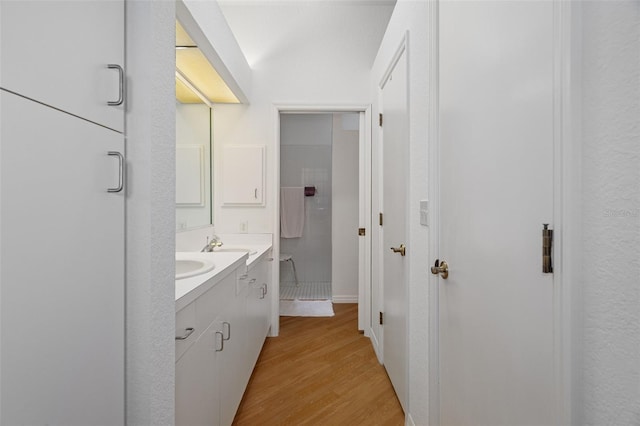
pixel 305 160
pixel 611 212
pixel 411 16
pixel 345 186
pixel 150 212
pixel 193 126
pixel 314 71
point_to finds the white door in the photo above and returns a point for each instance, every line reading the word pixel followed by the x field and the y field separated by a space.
pixel 395 140
pixel 59 52
pixel 62 274
pixel 496 307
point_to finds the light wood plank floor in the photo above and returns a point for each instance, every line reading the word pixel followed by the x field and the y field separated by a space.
pixel 319 371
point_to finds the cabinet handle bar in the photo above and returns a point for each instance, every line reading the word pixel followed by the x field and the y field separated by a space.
pixel 120 171
pixel 219 333
pixel 121 85
pixel 228 330
pixel 185 336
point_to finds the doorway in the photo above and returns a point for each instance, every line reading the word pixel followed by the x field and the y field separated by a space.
pixel 337 206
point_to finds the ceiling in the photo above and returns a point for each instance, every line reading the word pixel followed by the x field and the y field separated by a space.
pixel 269 29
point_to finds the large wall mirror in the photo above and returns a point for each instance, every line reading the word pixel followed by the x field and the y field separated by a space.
pixel 193 166
pixel 198 87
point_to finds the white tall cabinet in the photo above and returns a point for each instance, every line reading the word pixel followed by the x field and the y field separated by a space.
pixel 66 54
pixel 62 358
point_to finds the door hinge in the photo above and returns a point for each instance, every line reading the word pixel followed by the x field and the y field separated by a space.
pixel 362 232
pixel 381 318
pixel 380 219
pixel 547 244
pixel 380 119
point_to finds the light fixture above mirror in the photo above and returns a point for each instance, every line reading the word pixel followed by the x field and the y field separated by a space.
pixel 196 79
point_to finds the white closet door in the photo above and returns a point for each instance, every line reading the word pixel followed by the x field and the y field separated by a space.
pixel 58 52
pixel 496 308
pixel 62 268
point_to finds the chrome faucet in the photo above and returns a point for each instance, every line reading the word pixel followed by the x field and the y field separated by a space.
pixel 215 242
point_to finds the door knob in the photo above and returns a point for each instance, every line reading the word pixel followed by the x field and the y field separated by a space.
pixel 401 249
pixel 440 268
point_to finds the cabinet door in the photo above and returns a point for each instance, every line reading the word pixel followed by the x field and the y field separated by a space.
pixel 197 383
pixel 62 268
pixel 257 311
pixel 232 361
pixel 58 52
pixel 243 175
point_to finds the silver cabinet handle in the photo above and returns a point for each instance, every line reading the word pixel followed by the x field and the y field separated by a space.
pixel 219 333
pixel 228 330
pixel 185 336
pixel 255 193
pixel 263 287
pixel 120 171
pixel 121 85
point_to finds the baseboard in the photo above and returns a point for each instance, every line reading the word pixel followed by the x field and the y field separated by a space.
pixel 345 299
pixel 409 420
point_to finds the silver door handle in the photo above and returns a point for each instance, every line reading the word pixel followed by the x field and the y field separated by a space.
pixel 185 336
pixel 120 171
pixel 121 85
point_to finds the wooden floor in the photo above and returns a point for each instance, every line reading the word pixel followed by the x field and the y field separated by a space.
pixel 319 371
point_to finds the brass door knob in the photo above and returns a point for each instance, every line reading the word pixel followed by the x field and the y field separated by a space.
pixel 401 249
pixel 440 268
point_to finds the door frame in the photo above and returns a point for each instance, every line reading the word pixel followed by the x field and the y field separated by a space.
pixel 364 213
pixel 566 211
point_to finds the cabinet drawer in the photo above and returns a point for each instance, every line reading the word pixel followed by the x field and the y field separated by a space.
pixel 214 301
pixel 186 329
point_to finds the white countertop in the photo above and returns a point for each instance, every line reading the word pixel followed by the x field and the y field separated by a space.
pixel 188 289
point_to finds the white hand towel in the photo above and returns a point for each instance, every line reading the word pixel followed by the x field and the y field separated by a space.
pixel 291 212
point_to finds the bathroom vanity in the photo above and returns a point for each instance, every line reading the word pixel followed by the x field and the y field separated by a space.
pixel 222 320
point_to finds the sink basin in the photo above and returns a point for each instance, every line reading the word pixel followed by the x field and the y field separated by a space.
pixel 236 249
pixel 186 268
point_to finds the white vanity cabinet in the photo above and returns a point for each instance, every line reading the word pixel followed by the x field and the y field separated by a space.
pixel 243 168
pixel 66 54
pixel 218 340
pixel 211 337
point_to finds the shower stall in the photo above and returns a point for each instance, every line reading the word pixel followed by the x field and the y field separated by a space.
pixel 319 173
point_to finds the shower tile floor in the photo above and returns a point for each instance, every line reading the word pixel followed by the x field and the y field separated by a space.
pixel 306 291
